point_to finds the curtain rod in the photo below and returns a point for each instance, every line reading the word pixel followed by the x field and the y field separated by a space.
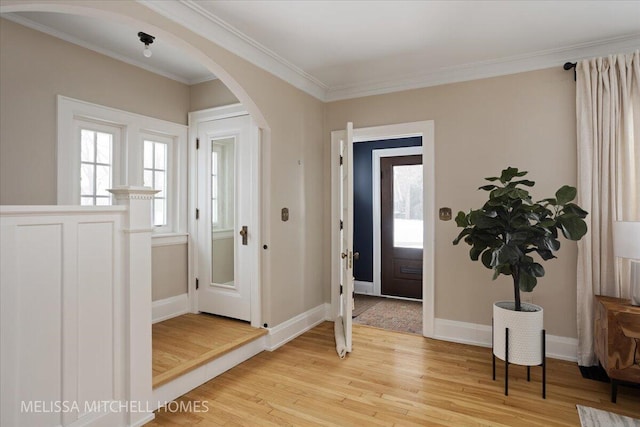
pixel 569 65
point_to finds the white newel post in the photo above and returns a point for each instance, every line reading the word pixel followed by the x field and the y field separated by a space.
pixel 136 237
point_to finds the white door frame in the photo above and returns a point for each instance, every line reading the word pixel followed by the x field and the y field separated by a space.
pixel 376 155
pixel 424 129
pixel 218 113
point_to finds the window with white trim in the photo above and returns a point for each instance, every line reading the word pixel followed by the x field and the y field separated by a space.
pixel 101 148
pixel 155 175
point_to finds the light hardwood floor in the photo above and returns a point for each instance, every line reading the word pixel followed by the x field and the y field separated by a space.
pixel 391 379
pixel 191 340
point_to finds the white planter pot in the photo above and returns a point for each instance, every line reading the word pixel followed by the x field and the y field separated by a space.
pixel 525 332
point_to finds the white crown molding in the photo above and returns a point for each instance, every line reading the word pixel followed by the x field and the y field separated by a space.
pixel 191 15
pixel 485 69
pixel 68 38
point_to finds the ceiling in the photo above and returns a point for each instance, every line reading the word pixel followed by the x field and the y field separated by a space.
pixel 342 49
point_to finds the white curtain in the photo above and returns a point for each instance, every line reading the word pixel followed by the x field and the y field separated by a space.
pixel 608 127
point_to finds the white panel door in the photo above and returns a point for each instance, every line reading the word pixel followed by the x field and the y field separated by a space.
pixel 225 238
pixel 346 249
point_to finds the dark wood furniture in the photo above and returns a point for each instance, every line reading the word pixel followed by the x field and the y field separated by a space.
pixel 617 340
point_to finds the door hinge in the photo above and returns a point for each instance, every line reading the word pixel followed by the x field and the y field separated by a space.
pixel 197 284
pixel 341 224
pixel 197 143
pixel 340 289
pixel 197 213
pixel 341 159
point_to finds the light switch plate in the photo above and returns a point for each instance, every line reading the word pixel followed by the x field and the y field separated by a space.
pixel 445 214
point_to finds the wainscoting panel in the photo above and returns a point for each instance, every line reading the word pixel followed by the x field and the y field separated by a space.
pixel 68 276
pixel 96 335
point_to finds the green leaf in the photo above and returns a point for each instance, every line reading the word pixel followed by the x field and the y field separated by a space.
pixel 527 282
pixel 524 182
pixel 505 254
pixel 463 233
pixel 486 258
pixel 549 243
pixel 488 187
pixel 575 209
pixel 481 220
pixel 534 269
pixel 476 250
pixel 462 220
pixel 572 227
pixel 549 200
pixel 492 178
pixel 508 174
pixel 565 194
pixel 545 254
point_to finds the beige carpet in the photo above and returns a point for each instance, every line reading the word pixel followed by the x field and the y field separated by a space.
pixel 390 314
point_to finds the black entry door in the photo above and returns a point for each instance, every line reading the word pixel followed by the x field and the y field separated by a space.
pixel 401 226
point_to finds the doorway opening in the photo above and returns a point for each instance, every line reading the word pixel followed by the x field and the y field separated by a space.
pixel 388 233
pixel 423 132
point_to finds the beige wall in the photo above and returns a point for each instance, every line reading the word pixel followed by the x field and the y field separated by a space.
pixel 35 69
pixel 210 94
pixel 524 120
pixel 293 279
pixel 169 274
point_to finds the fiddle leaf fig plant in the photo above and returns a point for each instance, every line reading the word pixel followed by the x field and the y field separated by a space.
pixel 509 228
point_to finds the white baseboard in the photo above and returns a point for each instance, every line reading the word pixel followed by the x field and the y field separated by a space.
pixel 474 334
pixel 169 307
pixel 144 420
pixel 192 379
pixel 288 330
pixel 360 287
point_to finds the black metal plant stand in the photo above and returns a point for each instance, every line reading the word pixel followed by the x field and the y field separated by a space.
pixel 506 362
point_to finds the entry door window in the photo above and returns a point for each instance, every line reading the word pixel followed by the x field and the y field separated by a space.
pixel 407 206
pixel 223 211
pixel 401 226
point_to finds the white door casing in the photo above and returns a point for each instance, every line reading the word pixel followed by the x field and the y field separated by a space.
pixel 239 298
pixel 424 129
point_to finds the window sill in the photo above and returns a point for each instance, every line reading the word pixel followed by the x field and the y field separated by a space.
pixel 169 239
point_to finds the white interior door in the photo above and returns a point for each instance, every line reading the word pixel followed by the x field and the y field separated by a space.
pixel 225 240
pixel 346 250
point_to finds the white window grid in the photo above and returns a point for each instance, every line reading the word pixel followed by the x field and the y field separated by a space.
pixel 156 170
pixel 92 160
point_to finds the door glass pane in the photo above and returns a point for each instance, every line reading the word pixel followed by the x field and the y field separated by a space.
pixel 407 206
pixel 223 229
